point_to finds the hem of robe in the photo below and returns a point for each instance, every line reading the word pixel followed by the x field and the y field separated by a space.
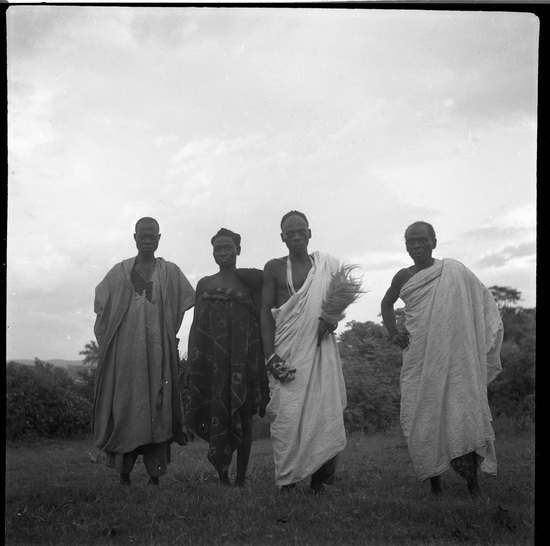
pixel 486 452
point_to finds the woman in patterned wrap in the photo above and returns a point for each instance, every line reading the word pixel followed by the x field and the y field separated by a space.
pixel 226 377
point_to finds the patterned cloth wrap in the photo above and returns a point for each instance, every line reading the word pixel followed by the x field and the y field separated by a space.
pixel 225 371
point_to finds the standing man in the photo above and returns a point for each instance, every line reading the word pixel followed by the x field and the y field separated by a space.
pixel 451 351
pixel 308 394
pixel 137 407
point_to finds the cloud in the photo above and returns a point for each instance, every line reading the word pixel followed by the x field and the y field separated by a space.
pixel 211 147
pixel 157 29
pixel 162 140
pixel 504 256
pixel 30 130
pixel 204 118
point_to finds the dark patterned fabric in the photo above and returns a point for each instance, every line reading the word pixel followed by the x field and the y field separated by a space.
pixel 224 371
pixel 140 284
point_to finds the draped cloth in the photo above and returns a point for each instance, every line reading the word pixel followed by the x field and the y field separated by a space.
pixel 455 340
pixel 306 414
pixel 136 399
pixel 225 367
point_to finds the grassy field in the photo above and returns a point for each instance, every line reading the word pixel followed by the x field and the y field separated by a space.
pixel 59 493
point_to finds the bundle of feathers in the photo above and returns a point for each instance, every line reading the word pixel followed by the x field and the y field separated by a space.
pixel 343 290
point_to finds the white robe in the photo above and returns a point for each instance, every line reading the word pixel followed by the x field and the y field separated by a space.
pixel 306 414
pixel 454 352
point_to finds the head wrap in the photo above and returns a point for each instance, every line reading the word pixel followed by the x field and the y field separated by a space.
pixel 223 232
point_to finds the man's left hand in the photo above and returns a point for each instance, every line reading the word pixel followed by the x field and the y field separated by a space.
pixel 324 329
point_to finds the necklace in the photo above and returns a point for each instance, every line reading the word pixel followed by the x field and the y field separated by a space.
pixel 289 283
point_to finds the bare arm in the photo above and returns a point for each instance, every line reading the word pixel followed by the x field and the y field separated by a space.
pixel 278 368
pixel 192 331
pixel 388 312
pixel 269 301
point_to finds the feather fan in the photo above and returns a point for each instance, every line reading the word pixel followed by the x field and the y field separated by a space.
pixel 342 291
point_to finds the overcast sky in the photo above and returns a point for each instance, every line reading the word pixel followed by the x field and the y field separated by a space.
pixel 365 120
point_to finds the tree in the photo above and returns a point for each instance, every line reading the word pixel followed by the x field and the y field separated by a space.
pixel 505 296
pixel 90 353
pixel 371 367
pixel 42 400
pixel 368 339
pixel 512 393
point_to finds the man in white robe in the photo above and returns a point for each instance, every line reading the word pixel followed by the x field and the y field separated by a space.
pixel 140 306
pixel 451 352
pixel 307 390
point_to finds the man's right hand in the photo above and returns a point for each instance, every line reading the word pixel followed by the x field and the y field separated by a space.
pixel 280 368
pixel 401 339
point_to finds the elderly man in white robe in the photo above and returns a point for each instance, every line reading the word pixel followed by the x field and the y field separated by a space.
pixel 307 390
pixel 451 351
pixel 140 306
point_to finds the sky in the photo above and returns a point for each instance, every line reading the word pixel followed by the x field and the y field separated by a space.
pixel 366 120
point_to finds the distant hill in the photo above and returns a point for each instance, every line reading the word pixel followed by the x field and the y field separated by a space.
pixel 72 366
pixel 55 362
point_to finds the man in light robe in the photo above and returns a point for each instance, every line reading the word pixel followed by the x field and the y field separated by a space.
pixel 307 390
pixel 451 351
pixel 140 306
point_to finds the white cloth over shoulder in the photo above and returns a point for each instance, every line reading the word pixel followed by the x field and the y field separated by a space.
pixel 306 414
pixel 454 352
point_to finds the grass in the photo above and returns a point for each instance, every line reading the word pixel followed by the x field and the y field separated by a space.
pixel 59 492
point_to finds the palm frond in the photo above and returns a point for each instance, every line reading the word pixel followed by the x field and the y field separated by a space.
pixel 343 290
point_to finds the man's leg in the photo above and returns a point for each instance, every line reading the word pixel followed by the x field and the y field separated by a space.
pixel 466 466
pixel 243 451
pixel 325 474
pixel 224 476
pixel 436 487
pixel 125 465
pixel 155 459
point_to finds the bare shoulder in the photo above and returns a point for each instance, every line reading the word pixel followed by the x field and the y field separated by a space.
pixel 204 284
pixel 402 276
pixel 274 265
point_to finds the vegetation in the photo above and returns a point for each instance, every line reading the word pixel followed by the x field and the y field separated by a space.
pixel 90 353
pixel 60 407
pixel 512 393
pixel 44 401
pixel 371 367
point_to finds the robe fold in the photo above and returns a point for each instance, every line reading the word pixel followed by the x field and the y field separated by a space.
pixel 136 397
pixel 306 414
pixel 454 352
pixel 224 371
